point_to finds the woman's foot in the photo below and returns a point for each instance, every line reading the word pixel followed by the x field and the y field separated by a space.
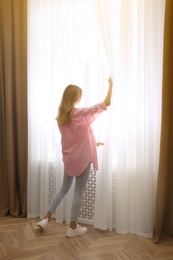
pixel 78 231
pixel 43 223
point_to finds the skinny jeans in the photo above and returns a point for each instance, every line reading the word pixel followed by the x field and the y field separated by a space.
pixel 80 185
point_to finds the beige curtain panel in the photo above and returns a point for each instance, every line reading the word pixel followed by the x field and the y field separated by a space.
pixel 164 199
pixel 13 107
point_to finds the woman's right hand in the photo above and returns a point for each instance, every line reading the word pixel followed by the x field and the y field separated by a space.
pixel 110 81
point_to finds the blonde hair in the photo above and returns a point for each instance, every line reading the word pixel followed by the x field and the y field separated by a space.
pixel 71 95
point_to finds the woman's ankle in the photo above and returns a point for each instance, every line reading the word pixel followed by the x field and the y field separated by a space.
pixel 73 225
pixel 48 215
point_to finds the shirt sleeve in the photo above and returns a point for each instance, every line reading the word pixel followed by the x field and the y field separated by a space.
pixel 91 113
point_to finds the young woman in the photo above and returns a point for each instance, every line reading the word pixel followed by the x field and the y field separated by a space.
pixel 78 150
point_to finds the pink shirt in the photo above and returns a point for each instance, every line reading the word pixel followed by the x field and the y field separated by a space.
pixel 78 140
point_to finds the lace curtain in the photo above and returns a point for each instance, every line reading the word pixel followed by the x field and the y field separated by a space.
pixel 83 42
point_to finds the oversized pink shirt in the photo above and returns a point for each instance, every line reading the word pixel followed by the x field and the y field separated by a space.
pixel 78 140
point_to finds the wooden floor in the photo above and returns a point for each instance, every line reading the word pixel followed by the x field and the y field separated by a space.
pixel 22 239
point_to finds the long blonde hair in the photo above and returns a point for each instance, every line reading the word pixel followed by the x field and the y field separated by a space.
pixel 71 95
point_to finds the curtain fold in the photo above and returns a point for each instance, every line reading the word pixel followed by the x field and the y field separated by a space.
pixel 13 107
pixel 108 22
pixel 164 198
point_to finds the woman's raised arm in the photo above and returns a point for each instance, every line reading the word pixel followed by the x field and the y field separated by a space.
pixel 107 99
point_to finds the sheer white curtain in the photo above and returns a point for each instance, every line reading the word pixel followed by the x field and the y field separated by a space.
pixel 63 48
pixel 132 32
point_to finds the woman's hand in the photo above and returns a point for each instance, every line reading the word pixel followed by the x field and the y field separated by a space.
pixel 110 81
pixel 98 143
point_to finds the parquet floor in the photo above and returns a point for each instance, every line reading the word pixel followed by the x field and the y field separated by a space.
pixel 21 239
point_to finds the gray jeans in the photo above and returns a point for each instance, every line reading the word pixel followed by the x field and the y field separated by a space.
pixel 80 185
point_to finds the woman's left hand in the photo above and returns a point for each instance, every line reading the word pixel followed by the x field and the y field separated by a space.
pixel 98 143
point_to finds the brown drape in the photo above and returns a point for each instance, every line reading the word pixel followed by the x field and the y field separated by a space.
pixel 164 197
pixel 13 107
